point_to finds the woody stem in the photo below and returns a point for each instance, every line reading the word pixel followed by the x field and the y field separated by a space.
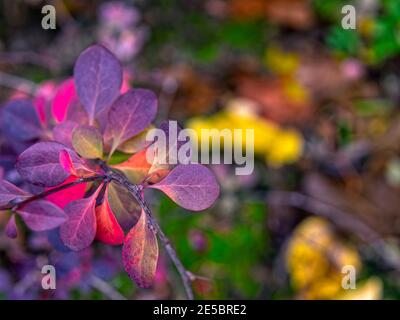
pixel 135 191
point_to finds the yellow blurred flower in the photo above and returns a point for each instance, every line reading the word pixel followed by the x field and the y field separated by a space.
pixel 285 148
pixel 280 62
pixel 369 290
pixel 315 257
pixel 295 91
pixel 367 26
pixel 277 145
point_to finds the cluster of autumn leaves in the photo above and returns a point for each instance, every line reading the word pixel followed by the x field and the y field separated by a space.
pixel 88 123
pixel 79 194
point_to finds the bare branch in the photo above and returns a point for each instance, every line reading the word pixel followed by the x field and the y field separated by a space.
pixel 105 288
pixel 17 83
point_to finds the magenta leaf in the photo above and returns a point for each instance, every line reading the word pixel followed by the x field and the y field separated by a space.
pixel 62 99
pixel 74 165
pixel 67 163
pixel 40 164
pixel 98 79
pixel 42 215
pixel 130 114
pixel 79 231
pixel 10 192
pixel 63 197
pixel 192 186
pixel 20 121
pixel 11 228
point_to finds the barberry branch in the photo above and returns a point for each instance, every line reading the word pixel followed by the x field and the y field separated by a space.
pixel 135 191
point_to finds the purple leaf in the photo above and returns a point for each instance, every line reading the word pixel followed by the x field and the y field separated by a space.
pixel 62 132
pixel 11 228
pixel 20 121
pixel 79 231
pixel 130 114
pixel 98 79
pixel 42 215
pixel 192 186
pixel 10 192
pixel 40 164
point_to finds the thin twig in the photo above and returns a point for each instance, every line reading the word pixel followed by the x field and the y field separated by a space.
pixel 17 83
pixel 105 288
pixel 22 57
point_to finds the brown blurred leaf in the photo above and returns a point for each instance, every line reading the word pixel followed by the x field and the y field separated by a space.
pixel 275 102
pixel 296 14
pixel 196 92
pixel 322 75
pixel 293 13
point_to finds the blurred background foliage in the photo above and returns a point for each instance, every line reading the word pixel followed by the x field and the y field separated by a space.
pixel 323 102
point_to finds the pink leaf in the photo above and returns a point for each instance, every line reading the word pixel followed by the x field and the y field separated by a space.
pixel 44 94
pixel 66 162
pixel 64 96
pixel 62 198
pixel 108 229
pixel 74 165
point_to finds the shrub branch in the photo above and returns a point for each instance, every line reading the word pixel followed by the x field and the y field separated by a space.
pixel 136 193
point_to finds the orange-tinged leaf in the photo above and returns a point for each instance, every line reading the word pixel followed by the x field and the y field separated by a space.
pixel 136 168
pixel 140 253
pixel 108 229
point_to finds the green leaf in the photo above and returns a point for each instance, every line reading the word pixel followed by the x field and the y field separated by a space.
pixel 88 142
